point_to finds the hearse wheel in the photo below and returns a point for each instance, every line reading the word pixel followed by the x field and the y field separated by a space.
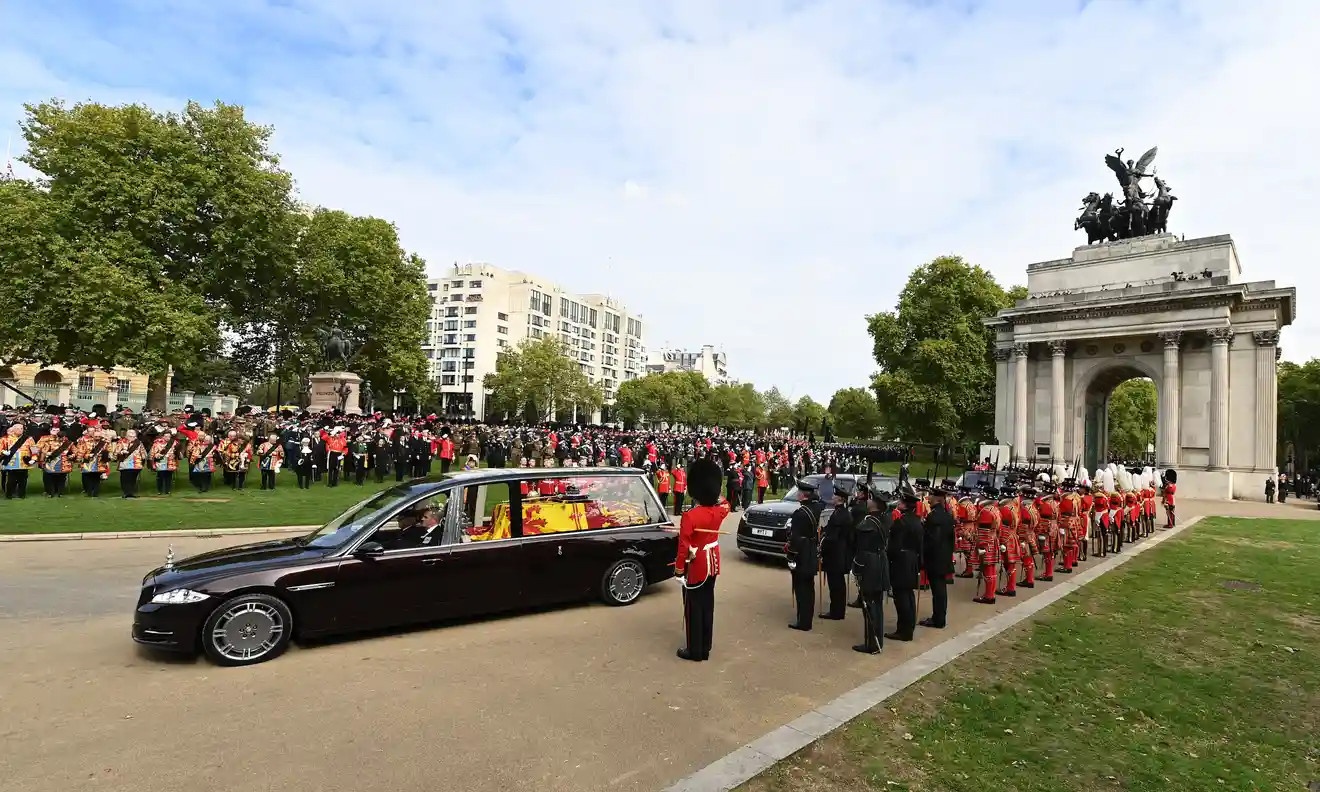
pixel 623 582
pixel 247 629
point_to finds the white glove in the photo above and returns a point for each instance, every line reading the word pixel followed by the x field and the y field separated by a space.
pixel 1003 549
pixel 980 550
pixel 682 580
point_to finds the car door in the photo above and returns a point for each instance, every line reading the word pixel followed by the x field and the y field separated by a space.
pixel 550 556
pixel 390 577
pixel 481 568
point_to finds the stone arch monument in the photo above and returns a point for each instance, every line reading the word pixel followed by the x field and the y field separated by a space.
pixel 1177 312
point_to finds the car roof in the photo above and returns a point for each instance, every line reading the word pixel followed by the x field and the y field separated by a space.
pixel 488 475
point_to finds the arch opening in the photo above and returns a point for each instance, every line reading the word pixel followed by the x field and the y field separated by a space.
pixel 48 377
pixel 1121 418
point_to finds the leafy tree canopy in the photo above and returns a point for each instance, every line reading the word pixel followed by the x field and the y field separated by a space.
pixel 855 413
pixel 537 378
pixel 1299 412
pixel 936 378
pixel 1133 408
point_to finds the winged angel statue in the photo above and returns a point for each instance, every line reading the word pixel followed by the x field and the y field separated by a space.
pixel 1106 222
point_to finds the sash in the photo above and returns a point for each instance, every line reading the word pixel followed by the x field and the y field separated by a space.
pixel 131 450
pixel 273 448
pixel 95 459
pixel 13 450
pixel 241 464
pixel 59 452
pixel 204 456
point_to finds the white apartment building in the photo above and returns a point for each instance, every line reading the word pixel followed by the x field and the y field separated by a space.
pixel 712 365
pixel 479 310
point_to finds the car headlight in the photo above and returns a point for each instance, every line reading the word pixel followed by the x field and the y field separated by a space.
pixel 178 597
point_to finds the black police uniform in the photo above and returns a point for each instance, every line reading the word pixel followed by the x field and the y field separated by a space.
pixel 803 550
pixel 904 562
pixel 937 558
pixel 834 557
pixel 871 566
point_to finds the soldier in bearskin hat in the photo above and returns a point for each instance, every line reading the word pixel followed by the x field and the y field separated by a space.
pixel 698 561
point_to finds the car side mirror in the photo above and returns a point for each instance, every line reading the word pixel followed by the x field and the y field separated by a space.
pixel 370 549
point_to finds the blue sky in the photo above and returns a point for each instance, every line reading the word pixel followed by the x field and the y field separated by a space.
pixel 743 173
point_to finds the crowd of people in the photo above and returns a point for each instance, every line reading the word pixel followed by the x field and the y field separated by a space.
pixel 331 448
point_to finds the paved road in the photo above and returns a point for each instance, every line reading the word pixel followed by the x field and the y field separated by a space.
pixel 579 698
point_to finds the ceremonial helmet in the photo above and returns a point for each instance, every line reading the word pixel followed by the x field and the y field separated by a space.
pixel 704 479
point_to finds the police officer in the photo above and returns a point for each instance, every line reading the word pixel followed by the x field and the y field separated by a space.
pixel 803 549
pixel 871 566
pixel 937 556
pixel 834 551
pixel 905 541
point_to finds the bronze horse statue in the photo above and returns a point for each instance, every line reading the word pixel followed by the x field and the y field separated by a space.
pixel 335 349
pixel 1090 219
pixel 1158 221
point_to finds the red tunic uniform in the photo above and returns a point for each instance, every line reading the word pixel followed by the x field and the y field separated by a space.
pixel 699 543
pixel 987 549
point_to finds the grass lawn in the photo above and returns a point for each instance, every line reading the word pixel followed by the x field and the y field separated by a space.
pixel 185 508
pixel 1193 667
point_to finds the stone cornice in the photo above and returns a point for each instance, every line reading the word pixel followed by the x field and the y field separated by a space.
pixel 1106 309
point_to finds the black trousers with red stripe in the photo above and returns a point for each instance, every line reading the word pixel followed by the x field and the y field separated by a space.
pixel 699 618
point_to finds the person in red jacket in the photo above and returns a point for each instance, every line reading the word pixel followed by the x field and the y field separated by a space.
pixel 336 446
pixel 762 482
pixel 987 550
pixel 662 485
pixel 680 488
pixel 698 562
pixel 1170 489
pixel 446 453
pixel 1008 545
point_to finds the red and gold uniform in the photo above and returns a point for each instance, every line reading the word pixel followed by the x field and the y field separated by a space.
pixel 18 453
pixel 965 539
pixel 1115 500
pixel 987 549
pixel 1132 515
pixel 1071 531
pixel 1029 521
pixel 698 560
pixel 1148 507
pixel 1009 546
pixel 1085 531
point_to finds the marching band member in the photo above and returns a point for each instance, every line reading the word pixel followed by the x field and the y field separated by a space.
pixel 165 460
pixel 963 545
pixel 18 453
pixel 1031 524
pixel 92 452
pixel 1010 554
pixel 56 462
pixel 698 562
pixel 270 455
pixel 131 458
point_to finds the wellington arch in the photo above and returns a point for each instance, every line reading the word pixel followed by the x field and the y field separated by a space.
pixel 1177 312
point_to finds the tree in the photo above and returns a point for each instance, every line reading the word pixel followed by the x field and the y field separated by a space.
pixel 854 413
pixel 1299 411
pixel 936 379
pixel 350 272
pixel 778 409
pixel 1133 412
pixel 735 407
pixel 158 228
pixel 807 415
pixel 677 398
pixel 213 374
pixel 537 378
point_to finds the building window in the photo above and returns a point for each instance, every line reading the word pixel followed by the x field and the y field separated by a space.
pixel 432 286
pixel 85 382
pixel 535 302
pixel 448 379
pixel 563 306
pixel 475 298
pixel 451 325
pixel 471 309
pixel 501 343
pixel 592 315
pixel 502 330
pixel 468 378
pixel 456 298
pixel 451 352
pixel 469 353
pixel 122 383
pixel 476 284
pixel 451 338
pixel 535 333
pixel 503 317
pixel 546 305
pixel 471 323
pixel 449 365
pixel 458 284
pixel 451 312
pixel 469 337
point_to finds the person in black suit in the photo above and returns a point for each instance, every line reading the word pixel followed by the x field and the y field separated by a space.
pixel 803 550
pixel 835 544
pixel 871 566
pixel 937 557
pixel 904 566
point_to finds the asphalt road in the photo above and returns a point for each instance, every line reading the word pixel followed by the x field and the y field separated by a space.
pixel 579 698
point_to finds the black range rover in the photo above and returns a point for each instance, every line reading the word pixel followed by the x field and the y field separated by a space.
pixel 764 527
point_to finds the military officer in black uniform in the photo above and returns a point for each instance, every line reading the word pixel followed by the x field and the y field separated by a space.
pixel 803 553
pixel 904 564
pixel 834 551
pixel 937 556
pixel 871 566
pixel 858 509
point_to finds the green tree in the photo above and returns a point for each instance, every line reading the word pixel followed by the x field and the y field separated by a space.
pixel 936 379
pixel 159 229
pixel 350 272
pixel 678 398
pixel 212 374
pixel 537 378
pixel 735 407
pixel 1299 412
pixel 854 413
pixel 807 415
pixel 1133 412
pixel 778 409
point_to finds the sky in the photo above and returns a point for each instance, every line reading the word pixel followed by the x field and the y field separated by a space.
pixel 755 174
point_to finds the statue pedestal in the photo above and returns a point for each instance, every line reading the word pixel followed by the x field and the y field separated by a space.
pixel 324 386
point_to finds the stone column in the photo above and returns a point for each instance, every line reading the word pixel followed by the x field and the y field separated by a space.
pixel 1058 355
pixel 1020 400
pixel 217 405
pixel 64 394
pixel 111 396
pixel 1170 437
pixel 1267 397
pixel 1220 338
pixel 188 397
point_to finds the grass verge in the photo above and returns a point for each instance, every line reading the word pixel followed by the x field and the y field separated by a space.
pixel 1194 667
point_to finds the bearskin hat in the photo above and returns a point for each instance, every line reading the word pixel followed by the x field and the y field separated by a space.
pixel 704 480
pixel 1171 476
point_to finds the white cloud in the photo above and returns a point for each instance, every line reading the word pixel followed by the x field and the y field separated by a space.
pixel 757 174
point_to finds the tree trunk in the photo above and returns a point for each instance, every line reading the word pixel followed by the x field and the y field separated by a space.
pixel 158 391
